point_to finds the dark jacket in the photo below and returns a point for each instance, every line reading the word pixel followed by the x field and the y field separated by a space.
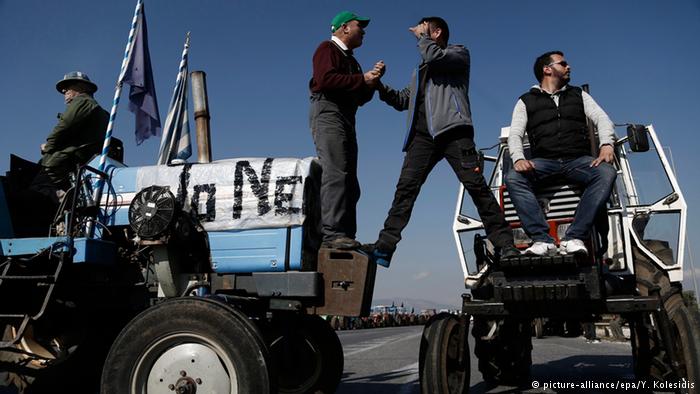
pixel 444 74
pixel 78 135
pixel 556 132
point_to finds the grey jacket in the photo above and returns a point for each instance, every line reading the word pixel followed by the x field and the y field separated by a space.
pixel 444 74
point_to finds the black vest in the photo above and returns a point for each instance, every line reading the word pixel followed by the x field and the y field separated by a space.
pixel 556 132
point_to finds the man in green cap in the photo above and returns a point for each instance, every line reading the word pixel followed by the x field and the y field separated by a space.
pixel 338 87
pixel 77 136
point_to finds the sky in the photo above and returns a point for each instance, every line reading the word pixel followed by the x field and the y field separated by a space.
pixel 640 57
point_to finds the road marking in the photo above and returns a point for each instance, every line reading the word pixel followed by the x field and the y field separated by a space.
pixel 408 386
pixel 374 345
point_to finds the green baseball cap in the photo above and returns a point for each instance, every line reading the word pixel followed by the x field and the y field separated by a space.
pixel 345 17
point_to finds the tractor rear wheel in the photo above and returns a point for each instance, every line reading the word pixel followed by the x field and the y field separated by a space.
pixel 306 354
pixel 505 355
pixel 665 344
pixel 652 359
pixel 444 355
pixel 539 327
pixel 186 343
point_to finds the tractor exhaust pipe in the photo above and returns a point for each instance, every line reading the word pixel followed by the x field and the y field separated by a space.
pixel 201 115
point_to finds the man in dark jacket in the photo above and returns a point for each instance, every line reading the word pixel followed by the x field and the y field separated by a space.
pixel 338 87
pixel 79 133
pixel 439 126
pixel 553 113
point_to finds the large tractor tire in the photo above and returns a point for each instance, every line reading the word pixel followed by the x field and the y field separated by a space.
pixel 665 344
pixel 444 355
pixel 306 353
pixel 505 356
pixel 188 345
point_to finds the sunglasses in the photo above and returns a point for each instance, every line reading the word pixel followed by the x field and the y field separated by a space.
pixel 563 63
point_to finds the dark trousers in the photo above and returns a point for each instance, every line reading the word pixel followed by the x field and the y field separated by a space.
pixel 48 181
pixel 333 130
pixel 457 146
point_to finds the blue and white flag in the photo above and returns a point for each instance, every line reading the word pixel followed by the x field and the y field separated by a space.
pixel 175 143
pixel 138 74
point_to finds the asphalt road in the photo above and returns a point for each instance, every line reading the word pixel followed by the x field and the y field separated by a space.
pixel 385 360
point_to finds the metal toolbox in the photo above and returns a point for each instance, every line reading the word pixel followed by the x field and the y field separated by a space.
pixel 348 283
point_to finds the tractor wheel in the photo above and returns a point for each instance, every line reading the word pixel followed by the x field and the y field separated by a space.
pixel 539 327
pixel 653 360
pixel 306 353
pixel 444 355
pixel 665 344
pixel 506 356
pixel 335 323
pixel 184 344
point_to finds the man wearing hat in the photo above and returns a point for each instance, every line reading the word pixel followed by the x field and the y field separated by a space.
pixel 79 133
pixel 338 87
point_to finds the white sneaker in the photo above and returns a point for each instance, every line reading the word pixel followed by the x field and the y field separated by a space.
pixel 573 246
pixel 541 249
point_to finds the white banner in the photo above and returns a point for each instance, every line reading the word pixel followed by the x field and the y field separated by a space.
pixel 237 193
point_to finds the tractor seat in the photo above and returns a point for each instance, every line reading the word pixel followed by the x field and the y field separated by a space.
pixel 557 198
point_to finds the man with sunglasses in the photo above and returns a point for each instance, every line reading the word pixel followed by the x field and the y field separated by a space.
pixel 553 113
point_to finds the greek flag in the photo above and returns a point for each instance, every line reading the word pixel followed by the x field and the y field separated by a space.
pixel 175 143
pixel 139 75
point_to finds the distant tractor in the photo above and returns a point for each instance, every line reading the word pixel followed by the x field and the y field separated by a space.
pixel 634 268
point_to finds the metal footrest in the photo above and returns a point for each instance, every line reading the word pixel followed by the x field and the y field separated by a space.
pixel 480 307
pixel 527 261
pixel 583 284
pixel 543 292
pixel 622 304
pixel 633 304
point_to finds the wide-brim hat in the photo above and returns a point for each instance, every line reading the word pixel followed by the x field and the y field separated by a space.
pixel 345 17
pixel 73 77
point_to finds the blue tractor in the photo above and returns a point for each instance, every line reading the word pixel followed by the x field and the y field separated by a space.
pixel 181 277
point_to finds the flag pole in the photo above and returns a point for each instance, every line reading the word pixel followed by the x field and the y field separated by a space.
pixel 167 141
pixel 118 88
pixel 97 197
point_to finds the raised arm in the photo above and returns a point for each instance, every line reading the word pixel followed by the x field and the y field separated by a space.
pixel 453 58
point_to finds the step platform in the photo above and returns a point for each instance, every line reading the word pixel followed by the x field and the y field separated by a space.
pixel 584 284
pixel 532 261
pixel 348 282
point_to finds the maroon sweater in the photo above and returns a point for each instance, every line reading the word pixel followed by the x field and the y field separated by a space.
pixel 338 76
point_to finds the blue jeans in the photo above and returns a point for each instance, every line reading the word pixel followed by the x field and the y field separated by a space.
pixel 596 181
